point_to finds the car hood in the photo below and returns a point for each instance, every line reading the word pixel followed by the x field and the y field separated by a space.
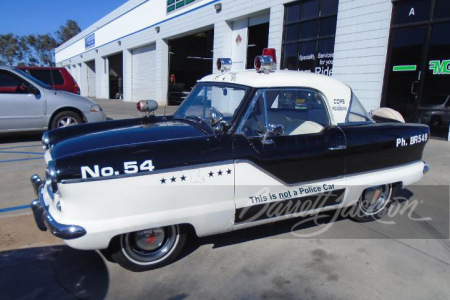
pixel 137 135
pixel 431 106
pixel 72 95
pixel 63 97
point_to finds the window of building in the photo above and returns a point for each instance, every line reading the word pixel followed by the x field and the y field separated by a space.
pixel 309 34
pixel 175 4
pixel 412 11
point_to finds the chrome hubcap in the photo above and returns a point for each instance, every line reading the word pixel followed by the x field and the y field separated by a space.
pixel 149 245
pixel 375 199
pixel 150 239
pixel 67 121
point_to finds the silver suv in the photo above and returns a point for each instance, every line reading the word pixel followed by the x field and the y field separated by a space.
pixel 27 104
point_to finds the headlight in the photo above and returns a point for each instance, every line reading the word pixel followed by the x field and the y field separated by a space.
pixel 51 177
pixel 96 108
pixel 45 141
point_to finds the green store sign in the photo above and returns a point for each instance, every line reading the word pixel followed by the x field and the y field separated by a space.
pixel 440 67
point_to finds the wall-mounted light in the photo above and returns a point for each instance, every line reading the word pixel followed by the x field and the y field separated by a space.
pixel 96 50
pixel 81 55
pixel 218 7
pixel 119 42
pixel 157 29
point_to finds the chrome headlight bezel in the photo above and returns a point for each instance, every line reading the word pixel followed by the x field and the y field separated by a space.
pixel 45 141
pixel 51 176
pixel 95 108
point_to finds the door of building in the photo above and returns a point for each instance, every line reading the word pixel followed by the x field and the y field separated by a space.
pixel 418 64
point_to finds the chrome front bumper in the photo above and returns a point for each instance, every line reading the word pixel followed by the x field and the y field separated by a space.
pixel 44 219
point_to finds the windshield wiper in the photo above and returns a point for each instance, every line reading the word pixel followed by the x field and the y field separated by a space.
pixel 195 118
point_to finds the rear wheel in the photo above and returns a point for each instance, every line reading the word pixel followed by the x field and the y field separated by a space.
pixel 65 118
pixel 150 248
pixel 372 204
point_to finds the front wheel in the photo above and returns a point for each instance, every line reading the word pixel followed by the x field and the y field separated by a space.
pixel 373 204
pixel 150 248
pixel 65 118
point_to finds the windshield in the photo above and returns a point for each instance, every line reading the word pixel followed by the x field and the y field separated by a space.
pixel 32 79
pixel 207 100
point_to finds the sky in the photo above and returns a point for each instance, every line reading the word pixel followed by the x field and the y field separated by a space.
pixel 23 17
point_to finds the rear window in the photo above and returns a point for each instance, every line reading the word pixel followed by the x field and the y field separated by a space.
pixel 357 113
pixel 51 77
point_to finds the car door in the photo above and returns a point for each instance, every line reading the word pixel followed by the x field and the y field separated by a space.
pixel 287 152
pixel 19 108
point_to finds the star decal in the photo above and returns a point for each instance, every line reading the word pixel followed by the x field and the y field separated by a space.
pixel 183 178
pixel 211 174
pixel 173 179
pixel 220 172
pixel 228 171
pixel 163 181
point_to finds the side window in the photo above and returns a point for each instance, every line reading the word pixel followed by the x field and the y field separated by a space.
pixel 356 112
pixel 57 77
pixel 50 77
pixel 286 112
pixel 254 122
pixel 12 84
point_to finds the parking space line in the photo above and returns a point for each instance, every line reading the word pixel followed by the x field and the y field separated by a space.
pixel 14 208
pixel 21 159
pixel 21 152
pixel 18 147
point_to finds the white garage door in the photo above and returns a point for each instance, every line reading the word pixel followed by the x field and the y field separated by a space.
pixel 143 73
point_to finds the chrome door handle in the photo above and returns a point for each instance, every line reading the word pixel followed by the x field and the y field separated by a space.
pixel 340 147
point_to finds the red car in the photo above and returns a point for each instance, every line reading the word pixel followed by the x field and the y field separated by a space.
pixel 57 78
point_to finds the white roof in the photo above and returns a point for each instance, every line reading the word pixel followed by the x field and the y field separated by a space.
pixel 337 94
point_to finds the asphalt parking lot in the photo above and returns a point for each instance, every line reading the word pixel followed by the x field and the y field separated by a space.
pixel 405 258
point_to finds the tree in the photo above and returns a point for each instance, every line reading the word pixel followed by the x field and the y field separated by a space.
pixel 38 49
pixel 10 50
pixel 32 49
pixel 67 32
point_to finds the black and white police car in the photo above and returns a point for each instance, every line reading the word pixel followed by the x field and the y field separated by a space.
pixel 245 148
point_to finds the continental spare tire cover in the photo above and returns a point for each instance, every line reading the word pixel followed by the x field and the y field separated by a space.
pixel 388 113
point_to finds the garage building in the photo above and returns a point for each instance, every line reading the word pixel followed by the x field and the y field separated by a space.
pixel 392 53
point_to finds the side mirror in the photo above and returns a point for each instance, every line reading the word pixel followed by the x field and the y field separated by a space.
pixel 33 90
pixel 147 106
pixel 216 116
pixel 221 127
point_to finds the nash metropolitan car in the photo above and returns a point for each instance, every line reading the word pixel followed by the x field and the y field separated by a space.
pixel 245 148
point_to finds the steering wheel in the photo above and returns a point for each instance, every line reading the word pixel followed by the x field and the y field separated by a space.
pixel 253 127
